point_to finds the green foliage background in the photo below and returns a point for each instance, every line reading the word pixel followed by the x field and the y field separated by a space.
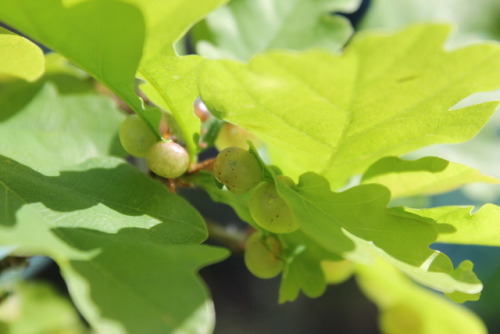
pixel 329 106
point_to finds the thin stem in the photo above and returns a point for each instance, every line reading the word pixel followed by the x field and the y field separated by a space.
pixel 229 236
pixel 207 164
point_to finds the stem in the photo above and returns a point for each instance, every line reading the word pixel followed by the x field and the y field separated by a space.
pixel 229 236
pixel 207 164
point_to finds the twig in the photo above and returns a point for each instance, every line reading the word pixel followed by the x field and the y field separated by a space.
pixel 229 236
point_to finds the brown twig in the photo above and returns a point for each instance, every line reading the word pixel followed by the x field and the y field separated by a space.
pixel 207 164
pixel 229 236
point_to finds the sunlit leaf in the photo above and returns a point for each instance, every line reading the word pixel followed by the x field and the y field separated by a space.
pixel 172 85
pixel 19 57
pixel 458 225
pixel 425 176
pixel 385 95
pixel 409 308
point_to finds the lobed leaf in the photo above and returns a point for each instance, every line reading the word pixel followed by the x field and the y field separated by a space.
pixel 425 176
pixel 171 80
pixel 385 95
pixel 408 308
pixel 303 268
pixel 111 229
pixel 112 245
pixel 121 36
pixel 109 46
pixel 172 85
pixel 354 224
pixel 458 225
pixel 166 22
pixel 48 131
pixel 303 271
pixel 473 21
pixel 357 225
pixel 244 28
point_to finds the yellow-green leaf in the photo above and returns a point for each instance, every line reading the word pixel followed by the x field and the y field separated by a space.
pixel 425 176
pixel 335 114
pixel 19 57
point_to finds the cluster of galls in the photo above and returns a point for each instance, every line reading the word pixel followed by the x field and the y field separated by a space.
pixel 240 171
pixel 165 157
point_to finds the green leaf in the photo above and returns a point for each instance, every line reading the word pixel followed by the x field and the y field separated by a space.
pixel 246 27
pixel 425 176
pixel 303 270
pixel 111 229
pixel 464 271
pixel 337 272
pixel 118 31
pixel 168 21
pixel 303 257
pixel 113 244
pixel 171 80
pixel 458 225
pixel 473 21
pixel 38 308
pixel 20 57
pixel 172 85
pixel 51 131
pixel 385 95
pixel 356 225
pixel 104 38
pixel 409 308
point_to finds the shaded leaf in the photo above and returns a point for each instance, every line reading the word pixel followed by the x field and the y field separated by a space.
pixel 303 270
pixel 425 176
pixel 243 28
pixel 109 46
pixel 473 21
pixel 52 131
pixel 112 244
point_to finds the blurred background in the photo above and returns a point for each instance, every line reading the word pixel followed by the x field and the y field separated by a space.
pixel 245 304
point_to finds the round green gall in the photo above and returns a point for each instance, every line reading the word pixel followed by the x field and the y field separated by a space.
pixel 270 211
pixel 262 256
pixel 168 159
pixel 237 169
pixel 233 135
pixel 136 136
